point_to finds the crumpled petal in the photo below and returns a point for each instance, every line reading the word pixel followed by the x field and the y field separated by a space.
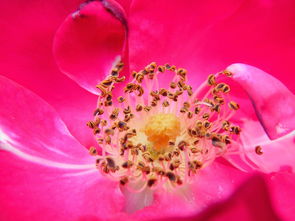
pixel 273 102
pixel 26 57
pixel 89 42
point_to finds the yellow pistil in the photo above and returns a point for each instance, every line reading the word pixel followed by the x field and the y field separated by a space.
pixel 162 128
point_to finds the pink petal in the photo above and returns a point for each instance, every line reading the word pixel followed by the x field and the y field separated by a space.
pixel 31 129
pixel 250 202
pixel 273 102
pixel 205 37
pixel 214 184
pixel 167 32
pixel 34 192
pixel 89 41
pixel 282 189
pixel 26 57
pixel 276 154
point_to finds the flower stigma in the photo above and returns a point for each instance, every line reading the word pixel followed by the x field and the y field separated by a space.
pixel 156 137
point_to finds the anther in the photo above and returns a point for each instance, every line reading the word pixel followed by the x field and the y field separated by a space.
pixel 258 150
pixel 233 105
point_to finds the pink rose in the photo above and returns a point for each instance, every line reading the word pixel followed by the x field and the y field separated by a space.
pixel 47 173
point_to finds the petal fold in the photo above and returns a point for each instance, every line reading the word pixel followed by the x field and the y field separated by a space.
pixel 89 41
pixel 274 104
pixel 32 130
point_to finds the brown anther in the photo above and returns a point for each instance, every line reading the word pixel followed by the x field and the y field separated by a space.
pixel 207 124
pixel 183 110
pixel 154 103
pixel 127 117
pixel 161 157
pixel 147 157
pixel 168 156
pixel 225 125
pixel 171 143
pixel 218 99
pixel 182 73
pixel 139 107
pixel 110 162
pixel 122 125
pixel 115 72
pixel 146 170
pixel 141 165
pixel 186 105
pixel 159 171
pixel 189 92
pixel 258 150
pixel 165 103
pixel 97 161
pixel 196 141
pixel 173 68
pixel 173 85
pixel 195 150
pixel 176 152
pixel 139 77
pixel 174 165
pixel 216 108
pixel 121 79
pixel 98 111
pixel 114 114
pixel 124 180
pixel 134 152
pixel 227 73
pixel 127 110
pixel 206 116
pixel 91 124
pixel 235 129
pixel 181 84
pixel 226 139
pixel 100 141
pixel 109 131
pixel 103 123
pixel 92 151
pixel 161 69
pixel 197 110
pixel 128 164
pixel 189 115
pixel 163 92
pixel 108 140
pixel 226 89
pixel 217 142
pixel 133 74
pixel 151 182
pixel 211 79
pixel 182 145
pixel 96 130
pixel 106 83
pixel 140 91
pixel 171 176
pixel 147 108
pixel 219 87
pixel 233 105
pixel 121 99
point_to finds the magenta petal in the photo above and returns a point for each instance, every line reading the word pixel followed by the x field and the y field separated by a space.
pixel 173 32
pixel 31 129
pixel 35 192
pixel 214 183
pixel 26 57
pixel 282 189
pixel 273 102
pixel 89 41
pixel 250 202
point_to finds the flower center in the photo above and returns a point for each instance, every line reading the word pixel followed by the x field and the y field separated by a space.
pixel 154 137
pixel 162 128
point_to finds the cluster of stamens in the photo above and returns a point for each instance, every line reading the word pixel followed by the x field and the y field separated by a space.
pixel 161 137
